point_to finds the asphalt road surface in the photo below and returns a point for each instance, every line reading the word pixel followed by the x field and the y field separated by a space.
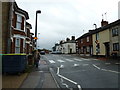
pixel 72 71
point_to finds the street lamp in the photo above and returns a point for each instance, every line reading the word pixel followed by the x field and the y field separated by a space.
pixel 38 11
pixel 38 40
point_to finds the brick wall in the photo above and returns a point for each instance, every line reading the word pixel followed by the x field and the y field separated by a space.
pixel 85 44
pixel 5 20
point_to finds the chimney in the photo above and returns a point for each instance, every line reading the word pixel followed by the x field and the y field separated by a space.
pixel 104 23
pixel 73 37
pixel 67 39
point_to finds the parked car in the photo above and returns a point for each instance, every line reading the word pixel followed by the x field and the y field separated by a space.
pixel 42 52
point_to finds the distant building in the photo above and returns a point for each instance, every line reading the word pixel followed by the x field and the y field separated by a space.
pixel 85 46
pixel 66 47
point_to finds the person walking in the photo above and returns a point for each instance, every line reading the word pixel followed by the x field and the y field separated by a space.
pixel 36 58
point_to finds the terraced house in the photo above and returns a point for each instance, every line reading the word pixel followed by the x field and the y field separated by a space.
pixel 15 29
pixel 115 38
pixel 106 39
pixel 102 41
pixel 85 47
pixel 18 30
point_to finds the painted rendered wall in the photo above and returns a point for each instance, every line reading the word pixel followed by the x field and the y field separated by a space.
pixel 103 37
pixel 115 39
pixel 68 46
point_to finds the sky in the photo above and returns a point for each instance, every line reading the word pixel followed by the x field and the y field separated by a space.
pixel 61 19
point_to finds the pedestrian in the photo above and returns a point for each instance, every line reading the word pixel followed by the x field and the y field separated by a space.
pixel 36 58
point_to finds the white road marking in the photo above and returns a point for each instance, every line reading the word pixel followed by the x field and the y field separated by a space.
pixel 77 59
pixel 69 60
pixel 79 87
pixel 85 59
pixel 60 61
pixel 117 63
pixel 95 59
pixel 64 83
pixel 96 66
pixel 110 71
pixel 68 79
pixel 51 61
pixel 75 65
pixel 105 69
pixel 61 66
pixel 85 64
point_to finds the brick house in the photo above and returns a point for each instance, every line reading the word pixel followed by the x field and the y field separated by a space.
pixel 15 30
pixel 28 38
pixel 84 44
pixel 18 29
pixel 32 42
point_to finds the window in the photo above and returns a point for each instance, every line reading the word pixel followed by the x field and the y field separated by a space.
pixel 81 49
pixel 115 32
pixel 116 47
pixel 19 22
pixel 81 41
pixel 88 49
pixel 17 45
pixel 97 36
pixel 88 39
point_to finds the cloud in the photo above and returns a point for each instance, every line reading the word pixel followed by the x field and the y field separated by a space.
pixel 60 19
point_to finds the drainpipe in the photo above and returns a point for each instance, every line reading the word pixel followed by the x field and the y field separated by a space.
pixel 10 27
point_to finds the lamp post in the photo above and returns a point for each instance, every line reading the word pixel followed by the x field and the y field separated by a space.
pixel 38 40
pixel 38 11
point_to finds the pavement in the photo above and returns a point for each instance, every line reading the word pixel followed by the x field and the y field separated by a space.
pixel 40 77
pixel 13 81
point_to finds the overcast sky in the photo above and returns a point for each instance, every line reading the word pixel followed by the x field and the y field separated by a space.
pixel 60 19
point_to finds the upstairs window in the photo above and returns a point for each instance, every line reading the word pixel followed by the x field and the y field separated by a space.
pixel 81 41
pixel 115 32
pixel 19 22
pixel 88 39
pixel 97 36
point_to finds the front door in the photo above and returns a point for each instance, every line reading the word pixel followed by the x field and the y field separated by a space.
pixel 107 49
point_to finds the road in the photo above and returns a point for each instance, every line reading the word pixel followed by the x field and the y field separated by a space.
pixel 72 71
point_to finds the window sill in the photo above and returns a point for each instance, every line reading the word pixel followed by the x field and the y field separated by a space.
pixel 19 30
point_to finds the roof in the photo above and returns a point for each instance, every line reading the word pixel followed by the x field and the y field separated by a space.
pixel 28 24
pixel 99 29
pixel 107 26
pixel 20 10
pixel 86 34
